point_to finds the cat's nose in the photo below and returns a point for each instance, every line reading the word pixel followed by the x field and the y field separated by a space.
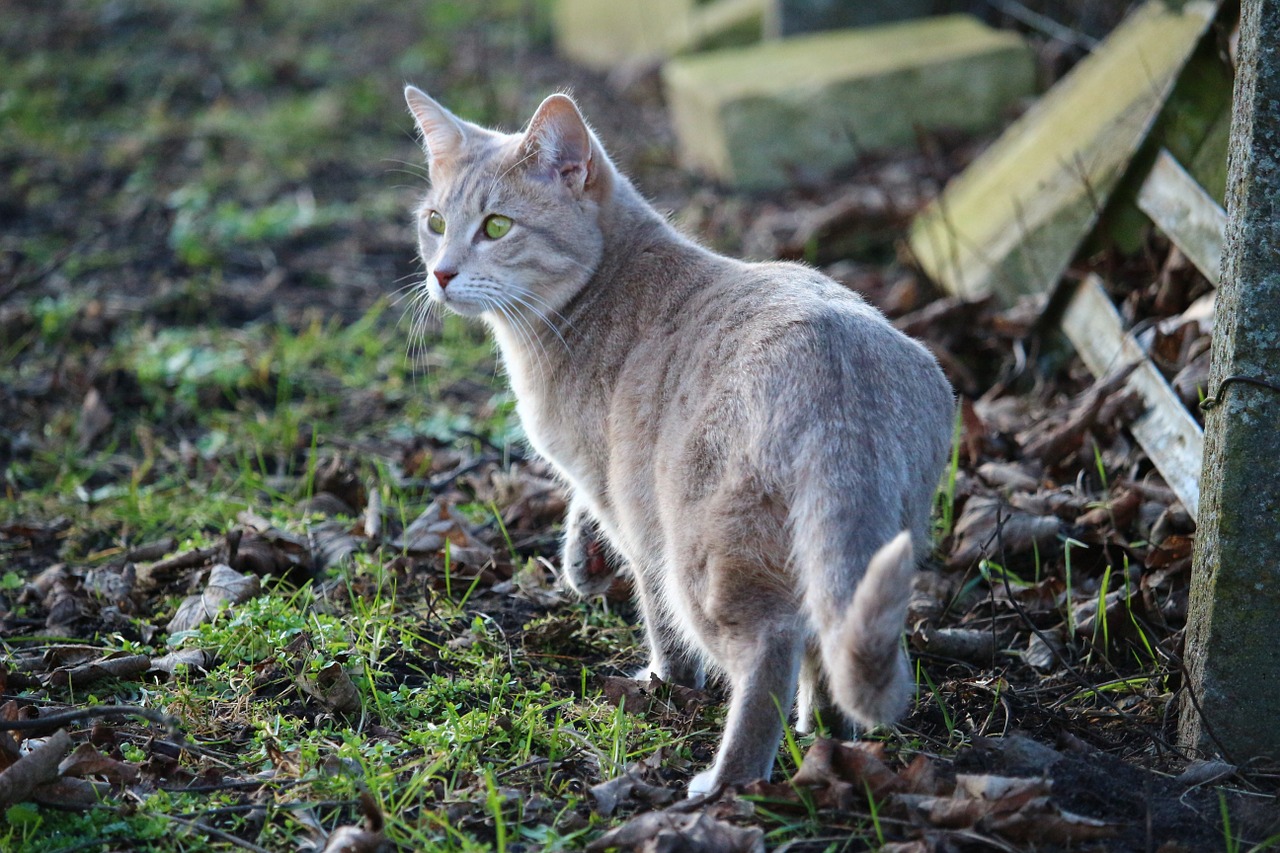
pixel 444 276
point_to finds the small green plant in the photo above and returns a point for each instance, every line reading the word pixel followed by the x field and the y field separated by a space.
pixel 948 720
pixel 946 497
pixel 1068 543
pixel 1100 616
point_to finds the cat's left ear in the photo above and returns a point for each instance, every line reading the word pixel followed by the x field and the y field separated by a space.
pixel 442 133
pixel 560 146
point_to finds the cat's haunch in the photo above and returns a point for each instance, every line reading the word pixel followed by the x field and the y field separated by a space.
pixel 759 444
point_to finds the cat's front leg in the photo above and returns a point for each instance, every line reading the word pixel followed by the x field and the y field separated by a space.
pixel 585 564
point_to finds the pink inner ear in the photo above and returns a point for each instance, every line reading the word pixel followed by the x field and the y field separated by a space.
pixel 441 132
pixel 561 139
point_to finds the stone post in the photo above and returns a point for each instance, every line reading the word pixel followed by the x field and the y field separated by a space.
pixel 1232 649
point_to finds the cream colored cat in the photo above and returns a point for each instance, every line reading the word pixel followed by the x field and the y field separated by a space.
pixel 752 439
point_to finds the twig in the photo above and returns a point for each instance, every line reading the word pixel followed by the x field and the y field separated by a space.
pixel 1044 24
pixel 92 712
pixel 218 833
pixel 35 276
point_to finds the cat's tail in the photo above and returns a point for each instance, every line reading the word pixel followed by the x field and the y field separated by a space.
pixel 867 673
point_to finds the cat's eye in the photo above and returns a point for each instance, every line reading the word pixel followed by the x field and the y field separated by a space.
pixel 496 226
pixel 435 222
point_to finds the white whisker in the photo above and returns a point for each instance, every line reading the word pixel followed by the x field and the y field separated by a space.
pixel 521 298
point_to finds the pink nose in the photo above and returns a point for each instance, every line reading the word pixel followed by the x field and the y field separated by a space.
pixel 445 276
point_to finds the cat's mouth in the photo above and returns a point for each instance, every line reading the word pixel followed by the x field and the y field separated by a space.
pixel 459 304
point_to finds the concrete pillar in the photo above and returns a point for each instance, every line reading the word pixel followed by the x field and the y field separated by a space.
pixel 1232 656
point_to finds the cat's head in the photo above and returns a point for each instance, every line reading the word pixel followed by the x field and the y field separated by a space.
pixel 511 224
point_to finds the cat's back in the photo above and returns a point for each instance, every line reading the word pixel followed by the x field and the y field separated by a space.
pixel 782 316
pixel 771 347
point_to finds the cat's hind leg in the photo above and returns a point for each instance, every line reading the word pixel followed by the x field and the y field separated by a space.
pixel 814 705
pixel 762 662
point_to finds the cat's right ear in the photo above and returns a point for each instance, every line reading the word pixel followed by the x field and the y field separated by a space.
pixel 442 133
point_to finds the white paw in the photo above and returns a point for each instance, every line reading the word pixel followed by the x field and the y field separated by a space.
pixel 647 673
pixel 704 783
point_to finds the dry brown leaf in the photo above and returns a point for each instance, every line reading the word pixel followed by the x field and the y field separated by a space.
pixel 965 644
pixel 369 838
pixel 182 659
pixel 289 551
pixel 114 584
pixel 95 419
pixel 338 478
pixel 1054 438
pixel 332 687
pixel 226 587
pixel 639 782
pixel 71 793
pixel 1042 652
pixel 1115 613
pixel 86 760
pixel 1011 476
pixel 627 692
pixel 921 776
pixel 1118 513
pixel 151 575
pixel 856 765
pixel 118 665
pixel 671 830
pixel 434 526
pixel 37 767
pixel 1206 772
pixel 332 542
pixel 990 526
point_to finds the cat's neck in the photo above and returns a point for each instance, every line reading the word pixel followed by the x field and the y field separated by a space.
pixel 538 345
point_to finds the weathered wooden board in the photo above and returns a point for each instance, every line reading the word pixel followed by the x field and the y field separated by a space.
pixel 1012 221
pixel 604 35
pixel 1167 432
pixel 798 108
pixel 1186 214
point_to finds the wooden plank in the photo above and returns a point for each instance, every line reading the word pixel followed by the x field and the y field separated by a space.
pixel 1167 432
pixel 1012 221
pixel 799 108
pixel 604 36
pixel 1186 214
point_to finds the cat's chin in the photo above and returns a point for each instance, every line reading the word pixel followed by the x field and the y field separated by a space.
pixel 464 308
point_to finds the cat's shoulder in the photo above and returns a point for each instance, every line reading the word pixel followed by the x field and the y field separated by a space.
pixel 802 290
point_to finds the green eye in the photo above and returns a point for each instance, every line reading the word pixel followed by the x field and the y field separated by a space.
pixel 435 223
pixel 496 226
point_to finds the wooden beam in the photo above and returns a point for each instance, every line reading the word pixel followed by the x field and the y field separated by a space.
pixel 1185 213
pixel 1012 221
pixel 1167 432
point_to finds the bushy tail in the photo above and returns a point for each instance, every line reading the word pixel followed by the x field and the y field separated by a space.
pixel 867 673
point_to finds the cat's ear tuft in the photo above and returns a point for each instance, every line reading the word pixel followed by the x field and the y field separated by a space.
pixel 442 133
pixel 559 144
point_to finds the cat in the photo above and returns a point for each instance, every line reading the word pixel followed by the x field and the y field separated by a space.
pixel 757 443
